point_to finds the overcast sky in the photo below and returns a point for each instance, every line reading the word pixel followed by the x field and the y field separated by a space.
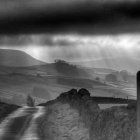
pixel 75 47
pixel 17 7
pixel 72 30
pixel 69 16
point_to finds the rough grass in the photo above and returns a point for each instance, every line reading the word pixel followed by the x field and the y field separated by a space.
pixel 75 116
pixel 62 122
pixel 6 109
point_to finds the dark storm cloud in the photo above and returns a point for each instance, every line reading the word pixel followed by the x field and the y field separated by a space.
pixel 64 16
pixel 41 40
pixel 15 40
pixel 49 40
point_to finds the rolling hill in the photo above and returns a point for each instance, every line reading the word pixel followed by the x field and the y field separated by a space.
pixel 16 58
pixel 16 61
pixel 21 74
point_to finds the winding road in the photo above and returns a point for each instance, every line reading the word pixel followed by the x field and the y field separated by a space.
pixel 21 124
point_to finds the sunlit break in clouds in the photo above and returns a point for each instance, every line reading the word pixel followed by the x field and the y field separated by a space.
pixel 116 51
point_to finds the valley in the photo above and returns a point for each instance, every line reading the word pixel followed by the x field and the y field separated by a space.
pixel 46 81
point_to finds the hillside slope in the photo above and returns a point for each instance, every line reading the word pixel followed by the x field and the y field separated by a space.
pixel 16 58
pixel 122 63
pixel 55 69
pixel 6 109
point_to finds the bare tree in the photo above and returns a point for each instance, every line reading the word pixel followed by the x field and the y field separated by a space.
pixel 30 101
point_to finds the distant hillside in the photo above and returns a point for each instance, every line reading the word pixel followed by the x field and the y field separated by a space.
pixel 123 63
pixel 60 68
pixel 16 58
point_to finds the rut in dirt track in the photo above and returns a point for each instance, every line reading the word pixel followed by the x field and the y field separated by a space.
pixel 21 124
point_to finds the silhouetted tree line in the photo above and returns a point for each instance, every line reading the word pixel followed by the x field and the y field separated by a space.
pixel 112 100
pixel 65 68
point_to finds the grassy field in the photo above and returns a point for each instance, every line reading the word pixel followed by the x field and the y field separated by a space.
pixel 48 87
